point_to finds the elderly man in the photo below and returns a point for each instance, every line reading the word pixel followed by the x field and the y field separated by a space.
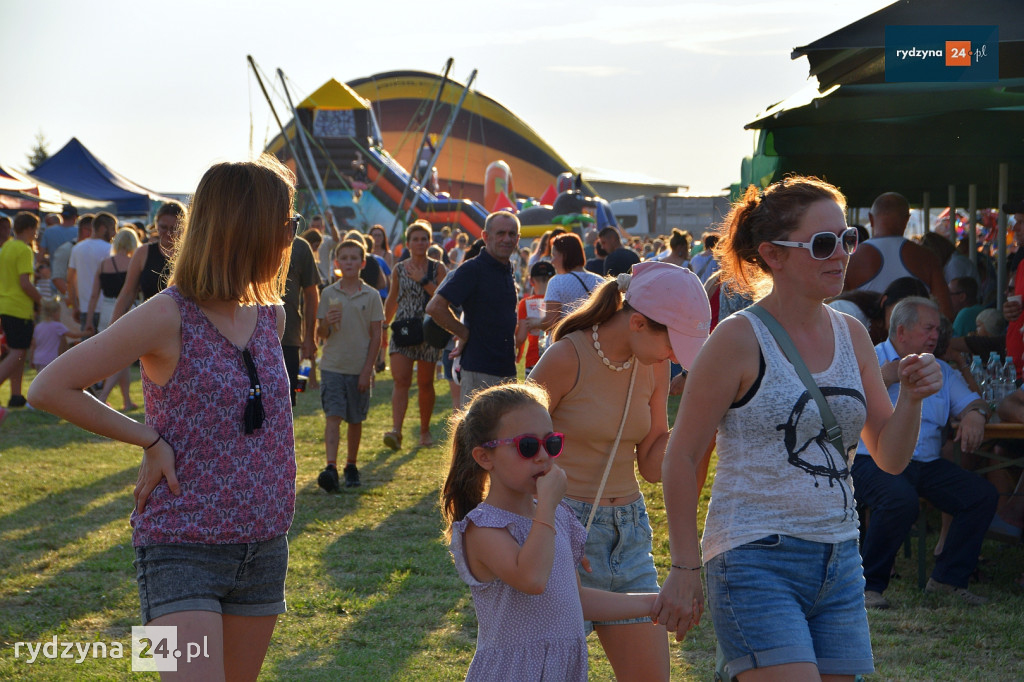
pixel 485 288
pixel 914 328
pixel 889 255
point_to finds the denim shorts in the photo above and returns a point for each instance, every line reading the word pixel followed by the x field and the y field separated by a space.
pixel 238 580
pixel 340 397
pixel 619 550
pixel 782 600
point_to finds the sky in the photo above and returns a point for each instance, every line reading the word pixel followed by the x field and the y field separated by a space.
pixel 160 91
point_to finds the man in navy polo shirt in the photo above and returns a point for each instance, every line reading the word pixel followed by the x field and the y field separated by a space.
pixel 485 289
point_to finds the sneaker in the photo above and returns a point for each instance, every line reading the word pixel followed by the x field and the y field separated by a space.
pixel 966 595
pixel 875 600
pixel 17 401
pixel 328 479
pixel 351 476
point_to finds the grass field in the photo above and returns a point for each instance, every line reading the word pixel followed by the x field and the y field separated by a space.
pixel 372 592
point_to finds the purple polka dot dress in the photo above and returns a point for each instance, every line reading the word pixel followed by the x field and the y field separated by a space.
pixel 521 636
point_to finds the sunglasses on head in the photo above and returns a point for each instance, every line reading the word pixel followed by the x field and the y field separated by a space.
pixel 823 244
pixel 528 445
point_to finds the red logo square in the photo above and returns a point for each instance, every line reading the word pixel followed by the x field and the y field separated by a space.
pixel 958 53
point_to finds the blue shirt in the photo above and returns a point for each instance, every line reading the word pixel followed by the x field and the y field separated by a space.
pixel 936 410
pixel 55 235
pixel 487 293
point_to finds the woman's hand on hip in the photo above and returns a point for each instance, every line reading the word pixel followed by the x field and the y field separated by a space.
pixel 157 464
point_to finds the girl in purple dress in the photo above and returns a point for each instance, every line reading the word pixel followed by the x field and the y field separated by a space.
pixel 517 548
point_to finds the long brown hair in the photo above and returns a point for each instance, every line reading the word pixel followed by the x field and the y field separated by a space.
pixel 466 482
pixel 233 244
pixel 763 217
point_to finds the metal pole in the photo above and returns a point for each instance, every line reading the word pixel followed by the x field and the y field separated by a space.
pixel 444 137
pixel 327 210
pixel 952 213
pixel 972 233
pixel 426 134
pixel 926 210
pixel 1004 181
pixel 287 141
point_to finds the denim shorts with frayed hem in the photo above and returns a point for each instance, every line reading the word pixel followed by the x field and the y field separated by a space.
pixel 782 600
pixel 239 579
pixel 619 550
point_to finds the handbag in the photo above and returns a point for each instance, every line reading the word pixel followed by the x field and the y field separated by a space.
pixel 407 332
pixel 434 334
pixel 832 429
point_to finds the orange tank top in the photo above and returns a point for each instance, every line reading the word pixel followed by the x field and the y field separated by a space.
pixel 589 415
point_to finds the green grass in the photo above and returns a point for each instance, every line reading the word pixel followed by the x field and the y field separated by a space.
pixel 372 592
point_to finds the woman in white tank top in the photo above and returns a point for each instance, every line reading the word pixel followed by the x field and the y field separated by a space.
pixel 781 516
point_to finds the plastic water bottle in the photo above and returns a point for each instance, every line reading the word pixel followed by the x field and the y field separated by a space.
pixel 300 381
pixel 1009 376
pixel 978 372
pixel 994 374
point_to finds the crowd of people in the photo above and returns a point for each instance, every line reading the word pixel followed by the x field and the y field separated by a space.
pixel 835 366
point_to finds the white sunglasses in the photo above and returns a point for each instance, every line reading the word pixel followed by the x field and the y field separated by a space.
pixel 823 244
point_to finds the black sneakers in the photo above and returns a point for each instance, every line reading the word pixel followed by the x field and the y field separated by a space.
pixel 17 401
pixel 328 479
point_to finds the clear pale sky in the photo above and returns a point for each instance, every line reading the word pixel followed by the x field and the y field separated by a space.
pixel 159 91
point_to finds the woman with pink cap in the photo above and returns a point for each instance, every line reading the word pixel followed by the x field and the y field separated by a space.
pixel 784 578
pixel 607 376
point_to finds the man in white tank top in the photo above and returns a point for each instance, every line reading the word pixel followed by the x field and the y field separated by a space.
pixel 890 256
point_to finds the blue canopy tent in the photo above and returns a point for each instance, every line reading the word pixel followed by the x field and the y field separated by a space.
pixel 74 169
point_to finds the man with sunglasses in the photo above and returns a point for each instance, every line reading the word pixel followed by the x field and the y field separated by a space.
pixel 891 256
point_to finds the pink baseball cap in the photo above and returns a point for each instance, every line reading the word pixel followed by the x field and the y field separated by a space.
pixel 674 297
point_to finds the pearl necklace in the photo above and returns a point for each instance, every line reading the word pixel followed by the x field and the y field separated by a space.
pixel 600 353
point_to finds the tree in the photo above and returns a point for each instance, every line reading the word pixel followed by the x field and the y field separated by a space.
pixel 39 152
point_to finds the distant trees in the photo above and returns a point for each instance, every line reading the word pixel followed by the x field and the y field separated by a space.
pixel 39 153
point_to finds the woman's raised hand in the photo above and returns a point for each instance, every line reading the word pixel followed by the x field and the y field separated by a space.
pixel 920 374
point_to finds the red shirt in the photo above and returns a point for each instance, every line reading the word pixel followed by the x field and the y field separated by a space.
pixel 532 342
pixel 1014 341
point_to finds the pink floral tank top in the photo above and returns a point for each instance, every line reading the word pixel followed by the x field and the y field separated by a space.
pixel 235 487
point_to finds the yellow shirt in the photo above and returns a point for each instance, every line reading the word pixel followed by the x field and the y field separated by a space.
pixel 15 261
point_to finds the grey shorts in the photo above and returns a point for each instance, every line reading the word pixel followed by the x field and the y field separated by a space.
pixel 240 580
pixel 477 381
pixel 340 397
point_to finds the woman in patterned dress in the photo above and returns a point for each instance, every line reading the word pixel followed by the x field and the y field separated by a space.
pixel 216 490
pixel 413 282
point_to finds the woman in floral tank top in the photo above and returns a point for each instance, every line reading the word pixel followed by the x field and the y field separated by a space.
pixel 216 489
